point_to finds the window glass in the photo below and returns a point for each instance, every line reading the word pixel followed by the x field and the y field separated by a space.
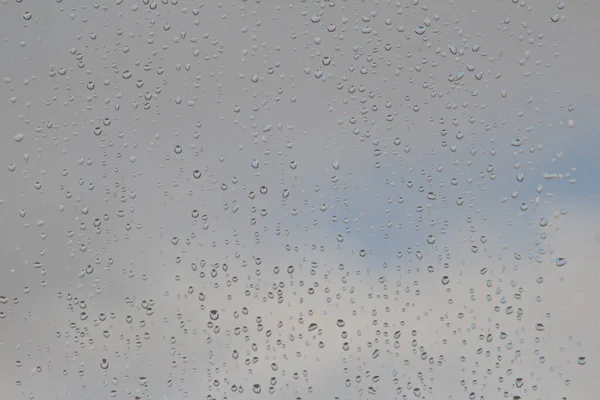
pixel 309 199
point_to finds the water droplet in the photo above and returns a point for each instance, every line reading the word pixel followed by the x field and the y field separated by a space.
pixel 539 327
pixel 519 383
pixel 561 262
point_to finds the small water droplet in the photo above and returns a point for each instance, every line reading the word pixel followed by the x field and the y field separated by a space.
pixel 539 327
pixel 561 262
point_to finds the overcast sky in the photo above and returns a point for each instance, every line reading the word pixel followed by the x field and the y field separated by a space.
pixel 302 200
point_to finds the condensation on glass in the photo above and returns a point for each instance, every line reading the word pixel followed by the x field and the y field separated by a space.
pixel 257 199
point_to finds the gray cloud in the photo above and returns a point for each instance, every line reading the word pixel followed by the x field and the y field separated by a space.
pixel 376 132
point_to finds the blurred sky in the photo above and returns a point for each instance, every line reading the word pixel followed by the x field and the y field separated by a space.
pixel 359 159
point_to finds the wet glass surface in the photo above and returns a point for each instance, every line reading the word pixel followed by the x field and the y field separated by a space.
pixel 299 200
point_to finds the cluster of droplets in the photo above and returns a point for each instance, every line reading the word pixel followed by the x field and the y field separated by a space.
pixel 300 207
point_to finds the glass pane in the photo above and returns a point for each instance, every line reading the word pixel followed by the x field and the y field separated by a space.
pixel 299 200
